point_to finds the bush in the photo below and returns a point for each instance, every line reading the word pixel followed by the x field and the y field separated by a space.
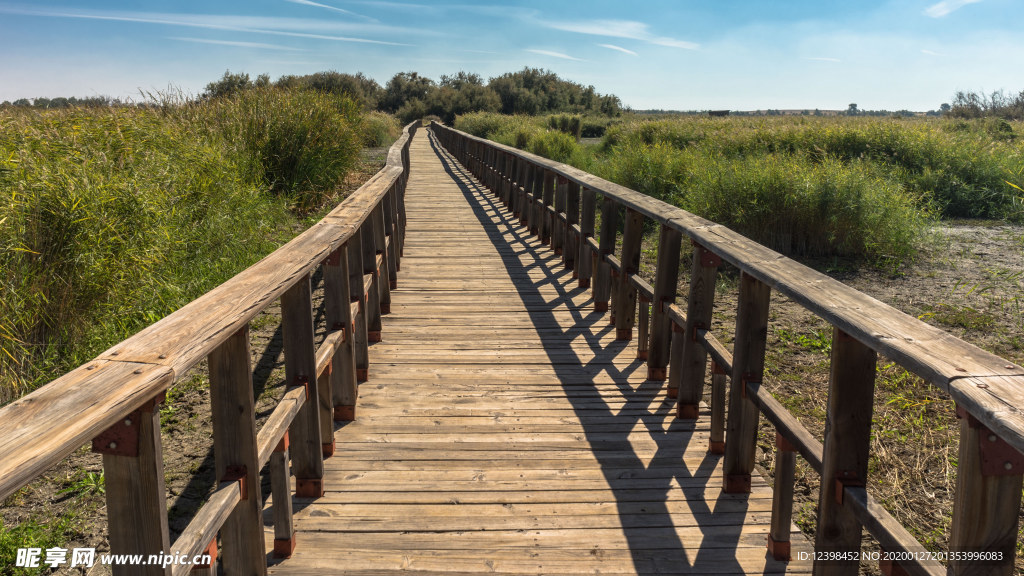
pixel 301 142
pixel 378 129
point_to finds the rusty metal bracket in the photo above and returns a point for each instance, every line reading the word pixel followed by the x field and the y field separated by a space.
pixel 122 438
pixel 997 457
pixel 237 474
pixel 783 444
pixel 303 381
pixel 846 478
pixel 717 368
pixel 283 443
pixel 335 257
pixel 746 380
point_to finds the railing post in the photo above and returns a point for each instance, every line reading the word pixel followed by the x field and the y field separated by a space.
pixel 572 217
pixel 747 366
pixel 585 260
pixel 280 483
pixel 506 180
pixel 233 410
pixel 526 217
pixel 135 491
pixel 393 235
pixel 300 370
pixel 689 383
pixel 782 499
pixel 716 443
pixel 383 271
pixel 338 316
pixel 603 276
pixel 558 223
pixel 625 301
pixel 665 280
pixel 851 396
pixel 357 294
pixel 537 219
pixel 987 503
pixel 548 221
pixel 373 296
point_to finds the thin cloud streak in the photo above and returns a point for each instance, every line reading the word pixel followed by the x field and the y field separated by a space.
pixel 931 53
pixel 331 8
pixel 821 59
pixel 947 7
pixel 235 43
pixel 619 48
pixel 555 54
pixel 621 29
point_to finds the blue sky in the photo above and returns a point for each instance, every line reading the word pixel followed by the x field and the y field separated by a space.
pixel 683 55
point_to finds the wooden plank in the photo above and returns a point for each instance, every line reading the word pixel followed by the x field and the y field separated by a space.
pixel 204 527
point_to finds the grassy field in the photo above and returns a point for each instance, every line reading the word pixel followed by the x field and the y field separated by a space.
pixel 866 188
pixel 113 217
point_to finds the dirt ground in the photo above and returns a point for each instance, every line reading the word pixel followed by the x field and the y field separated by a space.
pixel 969 280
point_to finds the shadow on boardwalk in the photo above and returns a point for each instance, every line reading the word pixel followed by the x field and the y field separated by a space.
pixel 638 486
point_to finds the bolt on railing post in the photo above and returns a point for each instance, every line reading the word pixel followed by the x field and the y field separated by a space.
pixel 851 396
pixel 987 500
pixel 666 279
pixel 338 315
pixel 233 410
pixel 300 370
pixel 688 385
pixel 747 366
pixel 626 300
pixel 606 243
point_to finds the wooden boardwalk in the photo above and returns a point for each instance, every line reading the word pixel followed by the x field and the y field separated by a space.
pixel 504 429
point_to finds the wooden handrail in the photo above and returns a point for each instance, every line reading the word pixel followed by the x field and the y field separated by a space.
pixel 123 384
pixel 988 390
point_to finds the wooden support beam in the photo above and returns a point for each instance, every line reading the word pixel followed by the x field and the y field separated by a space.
pixel 338 316
pixel 603 274
pixel 558 218
pixel 233 410
pixel 585 259
pixel 851 396
pixel 369 260
pixel 699 307
pixel 393 234
pixel 357 295
pixel 987 504
pixel 747 366
pixel 782 499
pixel 547 222
pixel 300 369
pixel 384 270
pixel 625 302
pixel 135 492
pixel 280 487
pixel 572 217
pixel 719 376
pixel 665 280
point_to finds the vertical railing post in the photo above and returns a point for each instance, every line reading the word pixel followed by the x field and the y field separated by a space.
pixel 383 271
pixel 357 294
pixel 280 484
pixel 782 499
pixel 392 235
pixel 584 259
pixel 625 301
pixel 688 385
pixel 338 316
pixel 233 411
pixel 135 490
pixel 747 366
pixel 606 243
pixel 537 220
pixel 548 221
pixel 716 444
pixel 300 370
pixel 527 215
pixel 987 503
pixel 665 280
pixel 851 396
pixel 558 220
pixel 572 217
pixel 373 296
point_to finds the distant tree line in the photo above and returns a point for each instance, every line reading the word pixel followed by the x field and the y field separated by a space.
pixel 409 95
pixel 61 102
pixel 997 104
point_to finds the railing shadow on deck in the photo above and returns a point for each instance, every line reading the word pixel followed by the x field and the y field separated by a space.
pixel 654 543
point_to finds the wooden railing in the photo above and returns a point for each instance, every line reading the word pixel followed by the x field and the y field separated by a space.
pixel 113 400
pixel 559 204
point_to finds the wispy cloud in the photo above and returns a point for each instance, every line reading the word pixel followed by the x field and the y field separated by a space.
pixel 555 54
pixel 946 7
pixel 621 29
pixel 293 27
pixel 619 48
pixel 331 8
pixel 821 59
pixel 236 43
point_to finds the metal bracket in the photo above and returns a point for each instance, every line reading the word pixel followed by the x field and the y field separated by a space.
pixel 717 368
pixel 708 259
pixel 283 443
pixel 237 474
pixel 122 438
pixel 303 381
pixel 997 457
pixel 334 258
pixel 782 444
pixel 846 478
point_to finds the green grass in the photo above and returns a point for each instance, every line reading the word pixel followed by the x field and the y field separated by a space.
pixel 113 217
pixel 37 532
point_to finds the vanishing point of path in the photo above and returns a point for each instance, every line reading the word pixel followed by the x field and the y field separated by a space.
pixel 504 429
